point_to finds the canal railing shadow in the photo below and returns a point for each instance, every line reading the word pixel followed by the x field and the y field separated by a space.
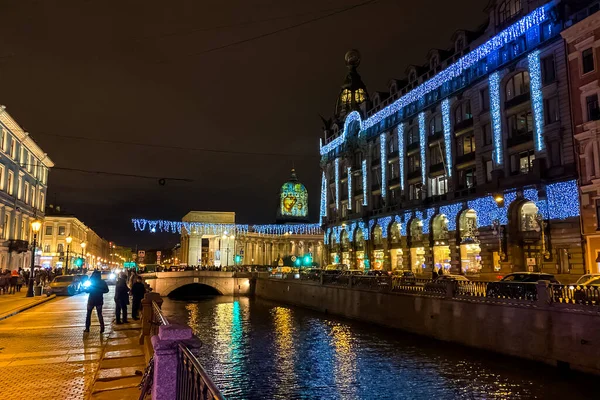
pixel 176 371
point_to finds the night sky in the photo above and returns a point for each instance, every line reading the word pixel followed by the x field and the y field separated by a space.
pixel 148 72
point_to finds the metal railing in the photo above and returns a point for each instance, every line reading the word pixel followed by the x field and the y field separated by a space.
pixel 576 294
pixel 193 383
pixel 192 380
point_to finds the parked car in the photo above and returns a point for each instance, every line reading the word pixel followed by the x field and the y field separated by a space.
pixel 406 277
pixel 440 283
pixel 518 285
pixel 352 272
pixel 378 272
pixel 588 291
pixel 84 281
pixel 584 278
pixel 64 285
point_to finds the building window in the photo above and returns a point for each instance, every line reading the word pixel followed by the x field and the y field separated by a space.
pixel 48 230
pixel 414 163
pixel 520 124
pixel 61 231
pixel 46 248
pixel 413 191
pixel 487 134
pixel 508 9
pixel 522 163
pixel 435 155
pixel 551 110
pixel 42 205
pixel 439 185
pixel 555 153
pixel 517 85
pixel 60 248
pixel 548 71
pixel 1 177
pixel 22 229
pixel 13 147
pixel 459 45
pixel 489 167
pixel 9 182
pixel 465 144
pixel 587 59
pixel 463 112
pixel 435 124
pixel 19 188
pixel 466 178
pixel 26 192
pixel 412 136
pixel 394 171
pixel 33 196
pixel 392 144
pixel 485 99
pixel 5 226
pixel 593 112
pixel 3 139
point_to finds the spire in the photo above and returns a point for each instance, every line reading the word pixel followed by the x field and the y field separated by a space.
pixel 293 177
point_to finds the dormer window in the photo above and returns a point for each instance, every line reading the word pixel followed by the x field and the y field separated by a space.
pixel 507 10
pixel 460 45
pixel 435 61
pixel 412 76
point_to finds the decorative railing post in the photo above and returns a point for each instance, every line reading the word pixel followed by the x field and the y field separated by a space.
pixel 543 293
pixel 165 344
pixel 450 285
pixel 147 313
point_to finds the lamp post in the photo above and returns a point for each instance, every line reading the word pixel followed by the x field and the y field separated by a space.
pixel 225 237
pixel 83 244
pixel 35 227
pixel 69 239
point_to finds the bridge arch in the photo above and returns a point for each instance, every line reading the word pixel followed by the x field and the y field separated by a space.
pixel 193 290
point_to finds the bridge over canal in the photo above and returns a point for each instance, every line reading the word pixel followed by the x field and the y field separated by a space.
pixel 224 283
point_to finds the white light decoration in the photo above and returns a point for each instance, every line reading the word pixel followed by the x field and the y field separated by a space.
pixel 422 139
pixel 401 154
pixel 202 228
pixel 350 195
pixel 447 135
pixel 383 151
pixel 364 180
pixel 494 89
pixel 495 43
pixel 337 184
pixel 323 212
pixel 537 99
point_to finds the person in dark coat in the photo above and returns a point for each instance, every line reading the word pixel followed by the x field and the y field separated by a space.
pixel 121 299
pixel 434 274
pixel 96 292
pixel 137 293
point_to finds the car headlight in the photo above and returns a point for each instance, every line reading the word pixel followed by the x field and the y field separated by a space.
pixel 87 284
pixel 111 276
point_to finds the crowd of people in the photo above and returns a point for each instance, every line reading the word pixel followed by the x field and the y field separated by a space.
pixel 128 283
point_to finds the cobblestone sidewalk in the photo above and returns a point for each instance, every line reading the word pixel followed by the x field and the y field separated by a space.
pixel 44 353
pixel 11 302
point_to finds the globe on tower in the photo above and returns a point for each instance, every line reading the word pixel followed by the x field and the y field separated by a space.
pixel 293 201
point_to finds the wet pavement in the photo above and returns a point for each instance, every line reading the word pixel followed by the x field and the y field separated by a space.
pixel 45 354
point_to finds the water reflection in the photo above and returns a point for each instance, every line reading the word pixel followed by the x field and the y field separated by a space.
pixel 256 349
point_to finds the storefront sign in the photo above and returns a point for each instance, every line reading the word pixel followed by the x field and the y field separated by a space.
pixel 531 261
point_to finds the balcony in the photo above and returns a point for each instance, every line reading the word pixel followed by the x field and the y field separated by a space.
pixel 464 192
pixel 414 174
pixel 358 192
pixel 17 245
pixel 463 125
pixel 394 181
pixel 437 168
pixel 515 101
pixel 530 236
pixel 393 155
pixel 465 158
pixel 519 138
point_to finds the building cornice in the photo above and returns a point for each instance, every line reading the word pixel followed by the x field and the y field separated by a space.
pixel 587 25
pixel 24 138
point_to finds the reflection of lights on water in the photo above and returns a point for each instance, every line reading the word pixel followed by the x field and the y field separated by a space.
pixel 284 343
pixel 345 371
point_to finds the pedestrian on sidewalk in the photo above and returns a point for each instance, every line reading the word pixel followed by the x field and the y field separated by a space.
pixel 121 298
pixel 138 290
pixel 14 277
pixel 96 292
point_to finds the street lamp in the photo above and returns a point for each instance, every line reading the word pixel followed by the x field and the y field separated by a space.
pixel 69 239
pixel 35 227
pixel 83 244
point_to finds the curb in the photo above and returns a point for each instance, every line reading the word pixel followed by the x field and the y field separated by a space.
pixel 26 307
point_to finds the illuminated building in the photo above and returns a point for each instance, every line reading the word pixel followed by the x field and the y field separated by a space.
pixel 467 163
pixel 57 227
pixel 214 238
pixel 24 169
pixel 582 38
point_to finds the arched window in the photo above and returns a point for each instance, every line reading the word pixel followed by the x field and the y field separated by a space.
pixel 440 227
pixel 359 240
pixel 467 225
pixel 460 45
pixel 507 9
pixel 392 143
pixel 463 112
pixel 434 62
pixel 395 233
pixel 528 217
pixel 412 136
pixel 517 85
pixel 60 248
pixel 412 76
pixel 377 235
pixel 435 124
pixel 344 240
pixel 416 230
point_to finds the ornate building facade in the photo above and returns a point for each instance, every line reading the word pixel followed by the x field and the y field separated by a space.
pixel 583 47
pixel 467 163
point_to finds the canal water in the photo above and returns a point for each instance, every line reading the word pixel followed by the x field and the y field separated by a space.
pixel 256 349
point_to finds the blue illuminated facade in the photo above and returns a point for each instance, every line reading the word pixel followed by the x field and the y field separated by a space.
pixel 463 146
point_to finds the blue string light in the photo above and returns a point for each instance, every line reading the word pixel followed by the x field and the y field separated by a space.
pixel 455 70
pixel 537 99
pixel 383 151
pixel 494 89
pixel 202 228
pixel 350 228
pixel 422 137
pixel 364 181
pixel 385 225
pixel 337 184
pixel 447 135
pixel 401 154
pixel 349 181
pixel 451 212
pixel 365 230
pixel 327 235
